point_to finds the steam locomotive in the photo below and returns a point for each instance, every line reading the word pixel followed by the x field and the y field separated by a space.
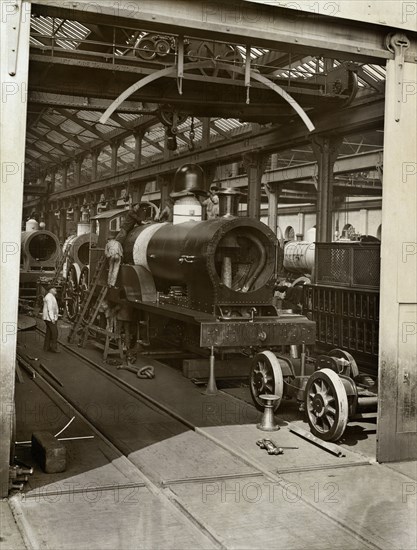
pixel 207 286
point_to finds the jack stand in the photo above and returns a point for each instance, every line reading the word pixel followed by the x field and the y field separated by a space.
pixel 268 423
pixel 211 386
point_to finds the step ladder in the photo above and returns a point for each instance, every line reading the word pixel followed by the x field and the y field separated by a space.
pixel 86 318
pixel 110 338
pixel 92 315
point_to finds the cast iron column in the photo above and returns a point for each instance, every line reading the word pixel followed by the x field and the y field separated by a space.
pixel 64 175
pixel 94 160
pixel 114 150
pixel 273 191
pixel 255 164
pixel 326 149
pixel 138 149
pixel 62 224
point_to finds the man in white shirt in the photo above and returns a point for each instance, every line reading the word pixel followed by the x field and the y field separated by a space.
pixel 50 316
pixel 114 252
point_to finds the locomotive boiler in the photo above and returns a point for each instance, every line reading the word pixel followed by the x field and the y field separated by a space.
pixel 299 257
pixel 40 252
pixel 223 266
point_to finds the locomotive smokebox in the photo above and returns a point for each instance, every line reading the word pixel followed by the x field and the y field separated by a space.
pixel 40 250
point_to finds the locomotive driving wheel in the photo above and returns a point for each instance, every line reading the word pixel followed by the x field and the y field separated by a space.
pixel 326 404
pixel 266 378
pixel 71 294
pixel 83 287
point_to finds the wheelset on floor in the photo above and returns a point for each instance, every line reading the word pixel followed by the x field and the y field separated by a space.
pixel 335 394
pixel 326 405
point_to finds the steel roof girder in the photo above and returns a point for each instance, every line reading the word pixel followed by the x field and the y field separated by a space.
pixel 261 25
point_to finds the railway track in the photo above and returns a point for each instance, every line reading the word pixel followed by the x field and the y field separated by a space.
pixel 163 486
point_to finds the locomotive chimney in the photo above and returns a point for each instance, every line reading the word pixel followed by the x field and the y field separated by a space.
pixel 228 202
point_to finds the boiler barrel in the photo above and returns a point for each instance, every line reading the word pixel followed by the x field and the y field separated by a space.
pixel 158 247
pixel 199 251
pixel 299 257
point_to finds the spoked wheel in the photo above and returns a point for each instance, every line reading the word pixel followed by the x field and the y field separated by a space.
pixel 266 377
pixel 223 53
pixel 83 287
pixel 326 405
pixel 71 294
pixel 342 354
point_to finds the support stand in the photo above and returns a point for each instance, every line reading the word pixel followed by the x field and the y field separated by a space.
pixel 211 386
pixel 268 423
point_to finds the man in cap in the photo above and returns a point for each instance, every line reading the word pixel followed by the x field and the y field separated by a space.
pixel 50 316
pixel 135 216
pixel 212 203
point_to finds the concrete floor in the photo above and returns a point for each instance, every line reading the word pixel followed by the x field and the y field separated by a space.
pixel 154 483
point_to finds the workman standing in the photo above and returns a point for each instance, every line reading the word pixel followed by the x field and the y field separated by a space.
pixel 114 252
pixel 50 316
pixel 212 203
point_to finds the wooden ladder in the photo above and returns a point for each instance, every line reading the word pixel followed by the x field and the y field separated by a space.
pixel 113 337
pixel 86 318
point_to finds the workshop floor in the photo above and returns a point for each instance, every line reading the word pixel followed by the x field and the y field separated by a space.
pixel 212 487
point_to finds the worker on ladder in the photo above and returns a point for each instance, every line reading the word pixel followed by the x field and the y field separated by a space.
pixel 114 247
pixel 114 252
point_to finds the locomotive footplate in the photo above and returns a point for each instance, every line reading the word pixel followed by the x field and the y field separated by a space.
pixel 276 331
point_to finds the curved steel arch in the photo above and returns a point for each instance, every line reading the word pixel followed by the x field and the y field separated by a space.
pixel 171 71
